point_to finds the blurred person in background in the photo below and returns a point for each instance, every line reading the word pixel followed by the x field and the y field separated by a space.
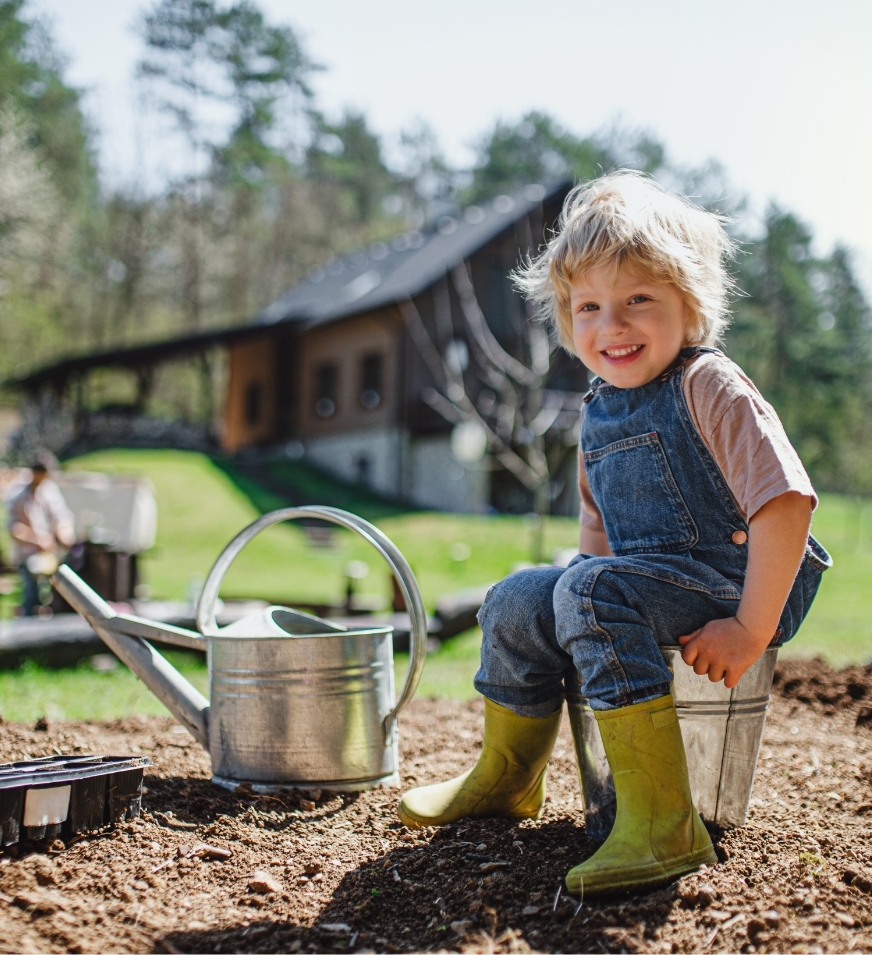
pixel 41 527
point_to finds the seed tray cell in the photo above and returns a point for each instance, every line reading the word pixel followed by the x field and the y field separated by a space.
pixel 59 796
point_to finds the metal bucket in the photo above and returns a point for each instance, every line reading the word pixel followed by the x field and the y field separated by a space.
pixel 722 730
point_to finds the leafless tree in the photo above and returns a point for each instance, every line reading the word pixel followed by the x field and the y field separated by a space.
pixel 529 429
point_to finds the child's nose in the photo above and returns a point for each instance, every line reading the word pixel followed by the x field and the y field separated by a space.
pixel 614 319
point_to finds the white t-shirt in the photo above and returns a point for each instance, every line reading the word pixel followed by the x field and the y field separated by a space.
pixel 44 510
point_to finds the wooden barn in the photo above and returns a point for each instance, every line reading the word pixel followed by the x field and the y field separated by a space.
pixel 340 369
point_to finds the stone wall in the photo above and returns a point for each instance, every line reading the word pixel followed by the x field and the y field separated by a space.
pixel 371 458
pixel 46 424
pixel 422 472
pixel 436 479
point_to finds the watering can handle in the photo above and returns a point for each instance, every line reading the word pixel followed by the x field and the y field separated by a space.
pixel 403 575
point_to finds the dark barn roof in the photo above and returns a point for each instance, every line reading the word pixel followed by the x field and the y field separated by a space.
pixel 386 273
pixel 367 279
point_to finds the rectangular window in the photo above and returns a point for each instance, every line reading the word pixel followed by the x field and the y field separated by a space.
pixel 371 384
pixel 253 403
pixel 326 390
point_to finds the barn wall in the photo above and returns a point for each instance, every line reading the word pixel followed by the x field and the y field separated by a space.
pixel 346 344
pixel 252 370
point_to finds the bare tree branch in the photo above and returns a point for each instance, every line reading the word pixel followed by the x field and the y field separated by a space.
pixel 475 319
pixel 421 337
pixel 518 414
pixel 502 452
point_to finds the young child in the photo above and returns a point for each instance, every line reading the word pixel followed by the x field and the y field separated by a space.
pixel 694 530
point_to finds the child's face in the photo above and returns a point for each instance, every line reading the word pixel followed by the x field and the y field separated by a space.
pixel 626 328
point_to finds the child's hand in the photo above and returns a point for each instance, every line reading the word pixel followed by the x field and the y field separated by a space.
pixel 723 649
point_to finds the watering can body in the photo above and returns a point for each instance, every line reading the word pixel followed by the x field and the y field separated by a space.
pixel 304 706
pixel 294 700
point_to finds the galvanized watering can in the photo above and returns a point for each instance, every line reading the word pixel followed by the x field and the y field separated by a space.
pixel 722 730
pixel 294 700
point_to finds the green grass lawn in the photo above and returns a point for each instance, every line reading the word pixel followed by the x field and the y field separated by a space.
pixel 201 505
pixel 839 625
pixel 82 693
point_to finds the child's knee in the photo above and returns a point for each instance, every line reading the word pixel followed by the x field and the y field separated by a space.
pixel 579 581
pixel 521 600
pixel 590 594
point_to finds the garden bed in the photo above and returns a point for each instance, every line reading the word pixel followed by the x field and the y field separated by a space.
pixel 206 870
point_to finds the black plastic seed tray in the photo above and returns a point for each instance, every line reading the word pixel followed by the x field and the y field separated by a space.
pixel 58 796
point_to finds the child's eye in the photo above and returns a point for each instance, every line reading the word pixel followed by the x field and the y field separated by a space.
pixel 588 307
pixel 640 298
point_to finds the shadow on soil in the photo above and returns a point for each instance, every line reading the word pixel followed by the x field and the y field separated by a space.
pixel 203 800
pixel 477 886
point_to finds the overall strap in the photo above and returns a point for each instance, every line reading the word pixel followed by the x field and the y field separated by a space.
pixel 595 383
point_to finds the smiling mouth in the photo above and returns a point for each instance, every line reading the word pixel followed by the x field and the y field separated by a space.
pixel 625 351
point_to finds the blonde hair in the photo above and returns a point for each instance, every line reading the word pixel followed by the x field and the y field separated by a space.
pixel 626 218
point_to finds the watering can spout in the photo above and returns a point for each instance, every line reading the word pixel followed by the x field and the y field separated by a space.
pixel 126 635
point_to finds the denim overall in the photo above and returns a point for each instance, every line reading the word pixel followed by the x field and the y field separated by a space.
pixel 680 551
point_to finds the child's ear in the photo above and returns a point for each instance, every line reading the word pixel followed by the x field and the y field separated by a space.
pixel 691 326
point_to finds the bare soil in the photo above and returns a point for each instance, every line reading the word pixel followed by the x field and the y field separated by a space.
pixel 321 872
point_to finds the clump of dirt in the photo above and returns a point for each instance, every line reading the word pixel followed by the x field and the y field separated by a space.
pixel 206 870
pixel 825 690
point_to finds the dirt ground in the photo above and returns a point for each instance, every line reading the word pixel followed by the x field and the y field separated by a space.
pixel 319 872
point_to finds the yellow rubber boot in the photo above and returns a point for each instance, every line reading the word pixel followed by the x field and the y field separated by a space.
pixel 658 834
pixel 507 780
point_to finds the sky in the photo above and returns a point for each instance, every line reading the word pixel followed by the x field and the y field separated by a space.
pixel 779 91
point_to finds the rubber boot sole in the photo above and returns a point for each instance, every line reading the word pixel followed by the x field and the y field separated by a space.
pixel 639 877
pixel 411 822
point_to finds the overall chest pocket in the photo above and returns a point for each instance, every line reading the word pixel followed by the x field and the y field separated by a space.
pixel 634 488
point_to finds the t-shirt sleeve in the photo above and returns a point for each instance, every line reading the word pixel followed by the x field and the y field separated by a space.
pixel 590 513
pixel 743 434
